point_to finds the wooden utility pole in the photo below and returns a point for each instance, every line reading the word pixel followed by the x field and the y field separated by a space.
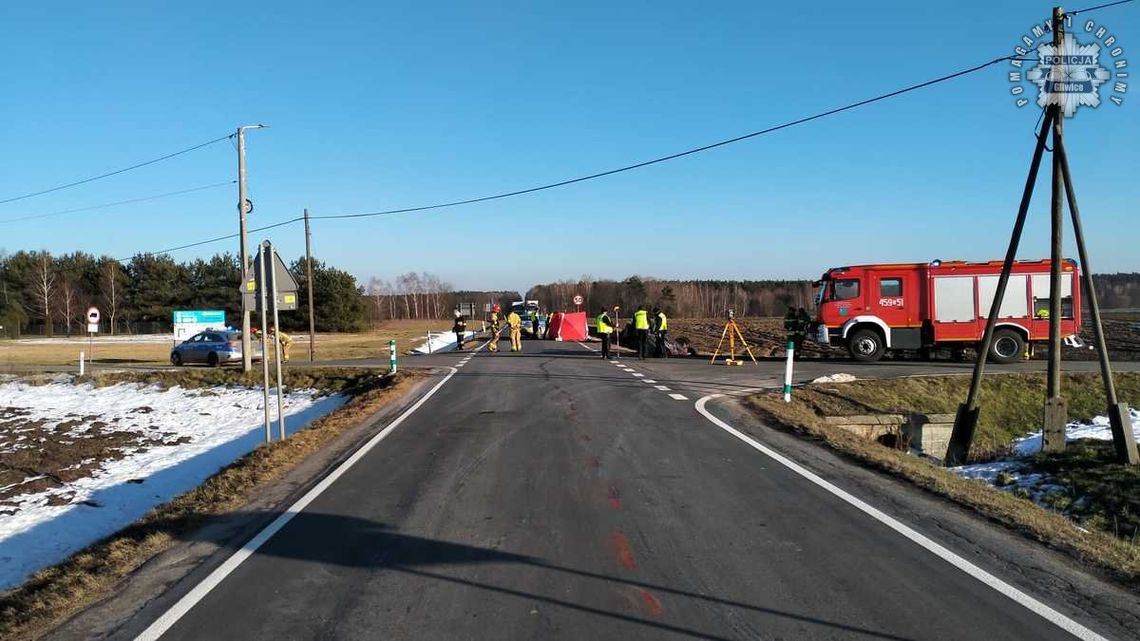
pixel 309 289
pixel 1055 413
pixel 1054 416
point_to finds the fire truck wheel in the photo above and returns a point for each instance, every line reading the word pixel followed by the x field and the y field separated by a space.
pixel 865 345
pixel 1007 346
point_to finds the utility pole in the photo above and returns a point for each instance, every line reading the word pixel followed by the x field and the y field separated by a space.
pixel 1055 413
pixel 246 343
pixel 309 289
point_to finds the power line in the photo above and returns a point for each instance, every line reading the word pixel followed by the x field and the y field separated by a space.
pixel 571 181
pixel 218 239
pixel 681 154
pixel 118 203
pixel 116 172
pixel 1099 6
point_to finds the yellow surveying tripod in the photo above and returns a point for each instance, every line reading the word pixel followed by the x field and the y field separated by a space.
pixel 732 332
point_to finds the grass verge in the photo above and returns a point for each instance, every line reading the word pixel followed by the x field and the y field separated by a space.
pixel 52 595
pixel 1115 557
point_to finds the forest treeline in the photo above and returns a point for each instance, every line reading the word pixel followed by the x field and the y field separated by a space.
pixel 48 295
pixel 45 294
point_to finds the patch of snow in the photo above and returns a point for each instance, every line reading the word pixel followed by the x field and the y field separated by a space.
pixel 841 377
pixel 441 342
pixel 1098 429
pixel 220 425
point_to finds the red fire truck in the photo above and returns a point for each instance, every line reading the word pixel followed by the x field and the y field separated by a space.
pixel 870 309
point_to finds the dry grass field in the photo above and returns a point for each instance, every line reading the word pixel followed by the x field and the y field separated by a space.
pixel 155 350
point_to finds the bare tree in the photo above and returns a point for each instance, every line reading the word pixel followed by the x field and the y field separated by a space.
pixel 111 275
pixel 43 288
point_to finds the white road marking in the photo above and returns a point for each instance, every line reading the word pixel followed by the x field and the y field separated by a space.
pixel 649 380
pixel 662 388
pixel 638 374
pixel 191 598
pixel 678 397
pixel 1033 605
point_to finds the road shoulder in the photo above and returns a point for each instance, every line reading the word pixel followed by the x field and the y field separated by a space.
pixel 1048 575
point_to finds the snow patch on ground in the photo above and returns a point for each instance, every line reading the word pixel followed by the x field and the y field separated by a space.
pixel 195 433
pixel 441 342
pixel 841 377
pixel 1098 429
pixel 1016 474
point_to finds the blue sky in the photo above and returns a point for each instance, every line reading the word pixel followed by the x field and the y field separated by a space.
pixel 377 105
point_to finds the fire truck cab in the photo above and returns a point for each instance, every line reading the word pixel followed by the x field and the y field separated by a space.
pixel 873 309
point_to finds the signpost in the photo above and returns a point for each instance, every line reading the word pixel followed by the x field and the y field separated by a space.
pixel 92 329
pixel 189 322
pixel 269 283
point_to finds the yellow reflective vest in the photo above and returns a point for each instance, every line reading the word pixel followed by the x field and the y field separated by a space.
pixel 662 322
pixel 603 326
pixel 641 319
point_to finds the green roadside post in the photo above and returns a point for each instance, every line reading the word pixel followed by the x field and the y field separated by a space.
pixel 392 356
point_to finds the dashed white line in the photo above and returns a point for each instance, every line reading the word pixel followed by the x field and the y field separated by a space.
pixel 661 387
pixel 1033 605
pixel 679 397
pixel 638 374
pixel 648 380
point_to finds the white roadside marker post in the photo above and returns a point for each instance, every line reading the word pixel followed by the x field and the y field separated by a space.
pixel 392 356
pixel 788 373
pixel 81 364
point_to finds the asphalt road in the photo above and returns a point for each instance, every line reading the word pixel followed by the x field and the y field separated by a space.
pixel 552 495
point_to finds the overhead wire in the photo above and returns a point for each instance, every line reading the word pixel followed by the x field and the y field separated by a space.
pixel 610 172
pixel 117 203
pixel 689 152
pixel 114 173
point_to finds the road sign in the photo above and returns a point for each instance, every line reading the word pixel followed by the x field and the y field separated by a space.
pixel 578 300
pixel 286 285
pixel 92 320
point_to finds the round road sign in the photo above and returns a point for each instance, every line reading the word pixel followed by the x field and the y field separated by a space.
pixel 577 299
pixel 92 314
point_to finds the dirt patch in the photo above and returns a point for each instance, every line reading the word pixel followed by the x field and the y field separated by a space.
pixel 52 595
pixel 765 336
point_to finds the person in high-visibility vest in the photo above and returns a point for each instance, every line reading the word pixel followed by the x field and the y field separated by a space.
pixel 641 327
pixel 661 326
pixel 515 323
pixel 605 330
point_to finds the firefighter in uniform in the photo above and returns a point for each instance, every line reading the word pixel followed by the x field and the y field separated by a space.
pixel 605 331
pixel 641 327
pixel 661 326
pixel 495 328
pixel 515 324
pixel 460 328
pixel 282 339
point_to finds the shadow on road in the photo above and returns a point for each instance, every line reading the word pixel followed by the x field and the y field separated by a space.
pixel 346 541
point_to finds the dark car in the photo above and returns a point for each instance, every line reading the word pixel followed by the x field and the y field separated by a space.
pixel 212 347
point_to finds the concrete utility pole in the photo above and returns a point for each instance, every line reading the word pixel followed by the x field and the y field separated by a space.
pixel 246 343
pixel 1055 413
pixel 309 289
